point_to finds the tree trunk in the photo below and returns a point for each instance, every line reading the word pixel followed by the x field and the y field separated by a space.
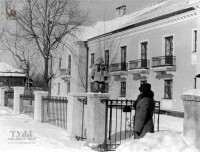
pixel 46 77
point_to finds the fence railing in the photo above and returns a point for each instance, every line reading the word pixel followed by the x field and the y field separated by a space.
pixel 139 64
pixel 119 122
pixel 65 71
pixel 163 61
pixel 123 66
pixel 54 111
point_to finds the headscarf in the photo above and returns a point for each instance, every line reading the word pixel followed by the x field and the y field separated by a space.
pixel 146 91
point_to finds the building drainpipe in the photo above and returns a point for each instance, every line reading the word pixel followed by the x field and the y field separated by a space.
pixel 87 49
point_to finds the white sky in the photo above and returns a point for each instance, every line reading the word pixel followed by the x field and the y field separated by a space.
pixel 102 10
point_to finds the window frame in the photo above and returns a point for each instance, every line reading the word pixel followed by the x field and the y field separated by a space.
pixel 123 54
pixel 69 62
pixel 168 89
pixel 123 89
pixel 169 51
pixel 144 49
pixel 194 43
pixel 123 57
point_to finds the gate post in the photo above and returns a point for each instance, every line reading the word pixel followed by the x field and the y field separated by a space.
pixel 16 101
pixel 74 113
pixel 191 130
pixel 96 115
pixel 2 96
pixel 38 106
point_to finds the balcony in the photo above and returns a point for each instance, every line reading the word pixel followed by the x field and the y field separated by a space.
pixel 118 69
pixel 139 67
pixel 65 73
pixel 165 64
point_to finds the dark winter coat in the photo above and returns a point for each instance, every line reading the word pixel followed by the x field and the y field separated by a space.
pixel 143 121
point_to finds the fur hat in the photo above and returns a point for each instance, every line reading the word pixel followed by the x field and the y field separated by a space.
pixel 146 87
pixel 99 61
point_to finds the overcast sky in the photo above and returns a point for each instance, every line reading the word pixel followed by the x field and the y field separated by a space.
pixel 105 9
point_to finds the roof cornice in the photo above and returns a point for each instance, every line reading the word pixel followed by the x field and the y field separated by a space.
pixel 143 23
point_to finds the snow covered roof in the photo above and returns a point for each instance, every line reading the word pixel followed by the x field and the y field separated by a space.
pixel 8 70
pixel 145 14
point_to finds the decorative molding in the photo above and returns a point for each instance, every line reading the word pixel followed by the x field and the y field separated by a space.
pixel 139 73
pixel 144 28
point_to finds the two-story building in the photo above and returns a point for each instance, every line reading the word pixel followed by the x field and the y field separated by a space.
pixel 157 44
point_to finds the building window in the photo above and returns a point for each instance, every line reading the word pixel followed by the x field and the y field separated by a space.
pixel 69 62
pixel 143 82
pixel 169 46
pixel 144 50
pixel 58 88
pixel 144 54
pixel 195 41
pixel 123 58
pixel 68 87
pixel 168 89
pixel 123 89
pixel 92 59
pixel 107 59
pixel 169 50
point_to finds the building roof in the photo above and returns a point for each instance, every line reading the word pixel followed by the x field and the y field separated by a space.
pixel 8 70
pixel 157 11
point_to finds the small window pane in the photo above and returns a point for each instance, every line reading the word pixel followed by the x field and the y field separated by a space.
pixel 168 89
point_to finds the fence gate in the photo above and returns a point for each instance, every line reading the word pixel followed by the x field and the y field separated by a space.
pixel 27 102
pixel 83 101
pixel 119 122
pixel 9 97
pixel 54 111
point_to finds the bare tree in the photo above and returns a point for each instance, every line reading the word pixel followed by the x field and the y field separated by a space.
pixel 41 26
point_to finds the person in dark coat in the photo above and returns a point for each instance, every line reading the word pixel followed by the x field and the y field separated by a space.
pixel 144 107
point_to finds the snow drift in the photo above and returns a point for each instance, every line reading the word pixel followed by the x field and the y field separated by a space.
pixel 164 141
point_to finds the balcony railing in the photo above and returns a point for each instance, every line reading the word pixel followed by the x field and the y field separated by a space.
pixel 162 61
pixel 139 64
pixel 65 72
pixel 118 67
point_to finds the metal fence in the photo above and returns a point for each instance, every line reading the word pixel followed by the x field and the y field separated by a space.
pixel 54 111
pixel 163 61
pixel 8 98
pixel 119 122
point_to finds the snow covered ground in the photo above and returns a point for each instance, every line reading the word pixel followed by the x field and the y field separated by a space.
pixel 41 137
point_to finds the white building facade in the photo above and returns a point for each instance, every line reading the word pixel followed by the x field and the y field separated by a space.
pixel 158 44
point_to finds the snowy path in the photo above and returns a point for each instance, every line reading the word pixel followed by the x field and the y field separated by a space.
pixel 45 137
